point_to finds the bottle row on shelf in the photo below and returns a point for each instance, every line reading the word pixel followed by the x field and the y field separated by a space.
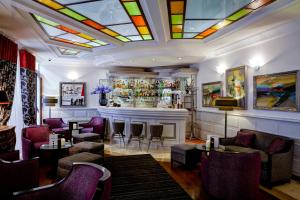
pixel 145 84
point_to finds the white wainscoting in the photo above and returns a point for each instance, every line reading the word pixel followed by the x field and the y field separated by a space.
pixel 212 122
pixel 80 114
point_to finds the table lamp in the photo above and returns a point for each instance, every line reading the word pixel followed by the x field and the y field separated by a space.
pixel 50 101
pixel 3 102
pixel 226 104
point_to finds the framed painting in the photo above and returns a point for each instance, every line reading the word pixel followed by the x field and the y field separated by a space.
pixel 236 85
pixel 210 92
pixel 72 94
pixel 278 91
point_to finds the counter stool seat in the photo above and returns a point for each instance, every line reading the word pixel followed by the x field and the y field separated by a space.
pixel 156 132
pixel 136 133
pixel 118 131
pixel 81 137
pixel 186 154
pixel 65 164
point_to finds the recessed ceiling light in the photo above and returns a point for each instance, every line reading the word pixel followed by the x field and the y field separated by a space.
pixel 179 58
pixel 153 59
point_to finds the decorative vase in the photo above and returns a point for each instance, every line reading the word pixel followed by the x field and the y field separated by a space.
pixel 102 99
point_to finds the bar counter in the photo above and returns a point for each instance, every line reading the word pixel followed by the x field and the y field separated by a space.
pixel 174 121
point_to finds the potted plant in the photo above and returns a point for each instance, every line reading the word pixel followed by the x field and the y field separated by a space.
pixel 102 90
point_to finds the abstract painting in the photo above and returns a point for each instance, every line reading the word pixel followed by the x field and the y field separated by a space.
pixel 72 94
pixel 236 85
pixel 277 91
pixel 211 91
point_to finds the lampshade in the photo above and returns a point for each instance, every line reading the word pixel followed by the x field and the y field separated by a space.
pixel 49 101
pixel 226 103
pixel 3 98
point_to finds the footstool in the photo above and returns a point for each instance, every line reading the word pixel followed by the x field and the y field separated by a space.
pixel 65 164
pixel 81 137
pixel 185 154
pixel 92 147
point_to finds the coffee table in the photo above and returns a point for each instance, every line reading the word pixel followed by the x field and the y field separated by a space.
pixel 54 153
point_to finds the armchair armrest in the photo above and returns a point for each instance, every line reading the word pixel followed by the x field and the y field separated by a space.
pixel 26 148
pixel 85 125
pixel 278 170
pixel 10 155
pixel 226 141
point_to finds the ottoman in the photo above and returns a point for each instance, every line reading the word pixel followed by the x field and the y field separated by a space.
pixel 185 154
pixel 65 164
pixel 92 147
pixel 81 137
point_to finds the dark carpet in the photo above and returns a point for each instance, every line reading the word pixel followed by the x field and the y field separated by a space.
pixel 140 177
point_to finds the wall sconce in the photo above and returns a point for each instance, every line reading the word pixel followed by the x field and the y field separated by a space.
pixel 221 69
pixel 256 63
pixel 73 76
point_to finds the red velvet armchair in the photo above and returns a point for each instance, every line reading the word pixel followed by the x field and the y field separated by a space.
pixel 18 174
pixel 229 175
pixel 95 125
pixel 84 182
pixel 32 139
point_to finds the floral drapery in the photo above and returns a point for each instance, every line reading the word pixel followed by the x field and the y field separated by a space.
pixel 8 67
pixel 28 87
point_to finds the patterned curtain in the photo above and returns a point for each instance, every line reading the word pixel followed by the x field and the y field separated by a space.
pixel 28 87
pixel 8 67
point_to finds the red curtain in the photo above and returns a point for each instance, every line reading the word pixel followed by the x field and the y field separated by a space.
pixel 27 60
pixel 8 50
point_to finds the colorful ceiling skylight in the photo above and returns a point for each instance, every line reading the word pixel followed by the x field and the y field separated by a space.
pixel 121 19
pixel 64 34
pixel 68 52
pixel 198 19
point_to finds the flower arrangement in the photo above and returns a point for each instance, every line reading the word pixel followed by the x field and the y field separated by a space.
pixel 102 89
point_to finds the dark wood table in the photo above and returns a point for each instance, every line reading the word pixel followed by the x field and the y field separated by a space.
pixel 50 154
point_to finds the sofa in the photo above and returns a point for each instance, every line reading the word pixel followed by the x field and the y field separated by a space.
pixel 227 175
pixel 33 138
pixel 276 153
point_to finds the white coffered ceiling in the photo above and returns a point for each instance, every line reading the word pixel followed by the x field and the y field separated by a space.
pixel 272 21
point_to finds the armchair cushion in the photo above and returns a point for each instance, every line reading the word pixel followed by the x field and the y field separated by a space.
pixel 37 145
pixel 276 146
pixel 37 134
pixel 244 139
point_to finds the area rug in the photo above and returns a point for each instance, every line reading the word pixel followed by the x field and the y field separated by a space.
pixel 140 177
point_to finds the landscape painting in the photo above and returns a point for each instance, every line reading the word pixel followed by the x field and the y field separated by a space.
pixel 72 94
pixel 210 92
pixel 277 91
pixel 236 85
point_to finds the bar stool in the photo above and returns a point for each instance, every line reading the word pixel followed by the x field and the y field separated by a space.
pixel 156 134
pixel 136 133
pixel 118 131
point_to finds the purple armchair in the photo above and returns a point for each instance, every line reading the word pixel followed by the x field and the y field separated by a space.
pixel 95 125
pixel 17 175
pixel 32 139
pixel 82 183
pixel 229 175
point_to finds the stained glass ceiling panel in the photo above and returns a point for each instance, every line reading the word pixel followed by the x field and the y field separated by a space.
pixel 64 34
pixel 68 52
pixel 198 19
pixel 120 19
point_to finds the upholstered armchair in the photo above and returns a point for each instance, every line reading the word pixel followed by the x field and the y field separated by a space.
pixel 95 125
pixel 33 138
pixel 82 183
pixel 228 175
pixel 17 175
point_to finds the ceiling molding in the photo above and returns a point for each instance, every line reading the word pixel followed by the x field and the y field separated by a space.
pixel 33 7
